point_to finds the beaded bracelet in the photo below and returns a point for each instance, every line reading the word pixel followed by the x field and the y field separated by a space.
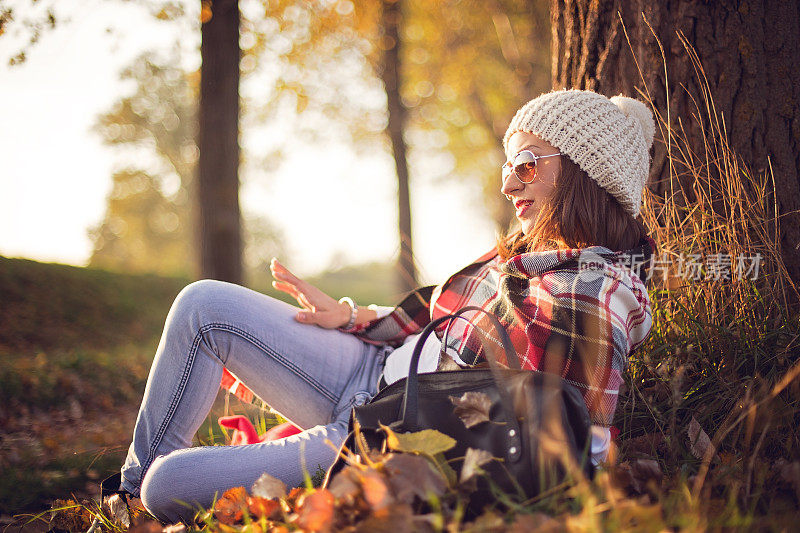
pixel 353 311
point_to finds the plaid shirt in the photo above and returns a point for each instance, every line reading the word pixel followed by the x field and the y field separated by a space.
pixel 578 313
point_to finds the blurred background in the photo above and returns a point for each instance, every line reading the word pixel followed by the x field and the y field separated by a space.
pixel 99 101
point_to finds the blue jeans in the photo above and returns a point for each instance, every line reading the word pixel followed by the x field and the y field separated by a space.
pixel 312 376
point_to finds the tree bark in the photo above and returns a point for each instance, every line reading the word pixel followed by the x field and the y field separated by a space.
pixel 218 142
pixel 389 69
pixel 749 51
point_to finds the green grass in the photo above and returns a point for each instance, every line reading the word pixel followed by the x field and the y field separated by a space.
pixel 66 419
pixel 52 307
pixel 75 348
pixel 76 345
pixel 24 488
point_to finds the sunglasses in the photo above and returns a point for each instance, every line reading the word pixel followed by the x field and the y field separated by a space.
pixel 523 166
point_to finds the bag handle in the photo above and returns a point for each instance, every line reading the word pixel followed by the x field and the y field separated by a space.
pixel 411 399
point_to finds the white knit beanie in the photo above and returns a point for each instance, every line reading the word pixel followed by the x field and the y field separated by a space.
pixel 609 138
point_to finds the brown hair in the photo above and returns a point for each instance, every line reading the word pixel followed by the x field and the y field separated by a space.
pixel 579 214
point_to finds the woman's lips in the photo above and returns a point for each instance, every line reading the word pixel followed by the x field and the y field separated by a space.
pixel 522 206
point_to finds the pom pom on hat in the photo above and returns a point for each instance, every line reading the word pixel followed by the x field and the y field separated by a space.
pixel 638 111
pixel 608 138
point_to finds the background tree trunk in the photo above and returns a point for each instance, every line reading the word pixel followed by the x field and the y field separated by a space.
pixel 389 69
pixel 218 142
pixel 749 51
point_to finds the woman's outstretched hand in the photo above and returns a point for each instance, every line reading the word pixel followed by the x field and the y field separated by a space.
pixel 318 307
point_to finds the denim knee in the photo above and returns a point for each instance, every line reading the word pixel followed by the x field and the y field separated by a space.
pixel 198 295
pixel 159 492
pixel 201 304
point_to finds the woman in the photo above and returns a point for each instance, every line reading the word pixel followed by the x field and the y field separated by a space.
pixel 577 165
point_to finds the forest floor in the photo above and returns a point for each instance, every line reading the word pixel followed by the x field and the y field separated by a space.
pixel 708 421
pixel 60 454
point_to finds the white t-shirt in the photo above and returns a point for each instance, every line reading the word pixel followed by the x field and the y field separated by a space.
pixel 398 361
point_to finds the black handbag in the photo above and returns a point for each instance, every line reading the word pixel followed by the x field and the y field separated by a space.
pixel 538 428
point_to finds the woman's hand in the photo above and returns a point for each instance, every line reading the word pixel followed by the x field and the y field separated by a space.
pixel 319 308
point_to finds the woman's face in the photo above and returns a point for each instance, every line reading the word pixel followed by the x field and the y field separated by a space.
pixel 528 198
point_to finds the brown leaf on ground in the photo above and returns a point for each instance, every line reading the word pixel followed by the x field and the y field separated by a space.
pixel 147 526
pixel 229 508
pixel 699 442
pixel 68 515
pixel 262 507
pixel 315 511
pixel 413 476
pixel 376 491
pixel 344 485
pixel 634 476
pixel 268 487
pixel 117 509
pixel 252 527
pixel 398 518
pixel 648 444
pixel 294 496
pixel 472 408
pixel 473 460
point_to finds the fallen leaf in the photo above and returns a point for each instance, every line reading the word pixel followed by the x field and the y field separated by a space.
pixel 473 460
pixel 647 468
pixel 413 476
pixel 294 495
pixel 229 508
pixel 68 515
pixel 472 408
pixel 344 485
pixel 147 526
pixel 252 527
pixel 699 443
pixel 635 475
pixel 315 511
pixel 647 444
pixel 375 490
pixel 175 528
pixel 427 441
pixel 268 487
pixel 399 518
pixel 118 510
pixel 262 507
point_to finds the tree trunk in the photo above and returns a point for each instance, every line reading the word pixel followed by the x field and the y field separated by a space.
pixel 389 69
pixel 218 175
pixel 749 51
